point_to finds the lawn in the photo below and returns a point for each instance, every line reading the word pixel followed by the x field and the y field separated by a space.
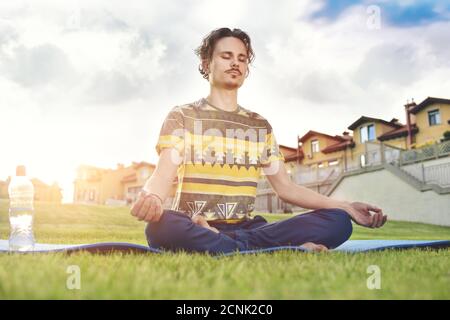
pixel 411 274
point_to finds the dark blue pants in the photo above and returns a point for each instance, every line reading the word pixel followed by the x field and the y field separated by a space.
pixel 176 231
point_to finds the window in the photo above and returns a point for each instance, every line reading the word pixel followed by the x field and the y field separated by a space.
pixel 371 130
pixel 320 165
pixel 363 160
pixel 91 195
pixel 367 133
pixel 314 146
pixel 333 162
pixel 434 117
pixel 144 173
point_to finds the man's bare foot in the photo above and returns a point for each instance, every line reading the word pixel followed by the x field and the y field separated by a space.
pixel 200 220
pixel 315 247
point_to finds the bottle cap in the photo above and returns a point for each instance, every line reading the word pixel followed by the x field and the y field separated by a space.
pixel 21 171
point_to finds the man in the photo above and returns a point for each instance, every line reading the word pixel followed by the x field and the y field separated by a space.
pixel 218 149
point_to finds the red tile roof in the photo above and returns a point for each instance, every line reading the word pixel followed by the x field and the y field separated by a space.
pixel 397 133
pixel 129 178
pixel 312 133
pixel 339 146
pixel 290 154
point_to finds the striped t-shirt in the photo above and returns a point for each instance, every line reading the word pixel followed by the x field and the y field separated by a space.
pixel 222 153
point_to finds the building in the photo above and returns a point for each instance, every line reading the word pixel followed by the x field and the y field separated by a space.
pixel 42 191
pixel 118 186
pixel 322 150
pixel 367 144
pixel 432 118
pixel 320 159
pixel 3 189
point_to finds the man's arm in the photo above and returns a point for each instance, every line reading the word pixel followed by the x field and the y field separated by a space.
pixel 304 197
pixel 162 178
pixel 149 207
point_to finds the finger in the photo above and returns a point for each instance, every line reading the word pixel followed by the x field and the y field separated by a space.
pixel 379 220
pixel 214 229
pixel 200 220
pixel 384 220
pixel 374 208
pixel 152 206
pixel 149 216
pixel 374 221
pixel 159 212
pixel 144 209
pixel 195 219
pixel 151 212
pixel 136 207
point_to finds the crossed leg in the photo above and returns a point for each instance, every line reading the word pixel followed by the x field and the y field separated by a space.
pixel 316 230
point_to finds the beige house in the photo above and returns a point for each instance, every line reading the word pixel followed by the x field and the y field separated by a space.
pixel 42 191
pixel 432 118
pixel 369 133
pixel 118 186
pixel 323 150
pixel 3 189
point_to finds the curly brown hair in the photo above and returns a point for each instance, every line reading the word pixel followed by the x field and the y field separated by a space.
pixel 206 49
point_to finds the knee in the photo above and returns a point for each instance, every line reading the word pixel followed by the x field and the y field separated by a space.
pixel 340 227
pixel 165 232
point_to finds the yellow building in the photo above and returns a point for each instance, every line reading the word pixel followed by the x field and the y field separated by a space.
pixel 432 117
pixel 322 150
pixel 369 133
pixel 3 190
pixel 42 191
pixel 112 186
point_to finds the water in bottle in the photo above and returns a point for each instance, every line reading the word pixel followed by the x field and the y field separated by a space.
pixel 21 212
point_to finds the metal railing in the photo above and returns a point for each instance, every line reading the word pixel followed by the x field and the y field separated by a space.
pixel 433 151
pixel 434 174
pixel 318 175
pixel 376 154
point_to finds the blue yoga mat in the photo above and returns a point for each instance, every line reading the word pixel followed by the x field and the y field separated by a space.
pixel 348 246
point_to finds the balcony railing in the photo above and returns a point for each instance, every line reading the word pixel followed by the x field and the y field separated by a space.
pixel 435 174
pixel 375 155
pixel 433 151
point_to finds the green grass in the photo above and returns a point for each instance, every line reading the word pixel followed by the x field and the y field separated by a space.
pixel 411 274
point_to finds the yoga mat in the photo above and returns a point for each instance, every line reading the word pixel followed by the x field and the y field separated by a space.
pixel 348 246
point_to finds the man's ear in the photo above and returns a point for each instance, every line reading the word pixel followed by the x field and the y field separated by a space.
pixel 205 66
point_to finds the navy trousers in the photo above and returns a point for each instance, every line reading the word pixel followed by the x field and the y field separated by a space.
pixel 175 231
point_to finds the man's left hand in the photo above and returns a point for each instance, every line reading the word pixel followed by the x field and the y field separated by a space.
pixel 361 213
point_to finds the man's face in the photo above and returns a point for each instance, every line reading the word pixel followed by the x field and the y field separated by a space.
pixel 229 63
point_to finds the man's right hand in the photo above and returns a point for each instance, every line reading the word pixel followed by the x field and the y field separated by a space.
pixel 147 207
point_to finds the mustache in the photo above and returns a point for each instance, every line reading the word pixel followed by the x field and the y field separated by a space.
pixel 234 70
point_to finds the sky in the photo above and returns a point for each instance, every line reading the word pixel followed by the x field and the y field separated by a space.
pixel 90 82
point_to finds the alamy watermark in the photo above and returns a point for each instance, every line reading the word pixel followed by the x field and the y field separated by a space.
pixel 212 146
pixel 374 280
pixel 374 17
pixel 73 281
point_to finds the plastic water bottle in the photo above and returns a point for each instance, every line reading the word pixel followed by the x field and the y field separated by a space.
pixel 21 211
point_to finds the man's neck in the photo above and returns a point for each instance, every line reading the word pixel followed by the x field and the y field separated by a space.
pixel 223 99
